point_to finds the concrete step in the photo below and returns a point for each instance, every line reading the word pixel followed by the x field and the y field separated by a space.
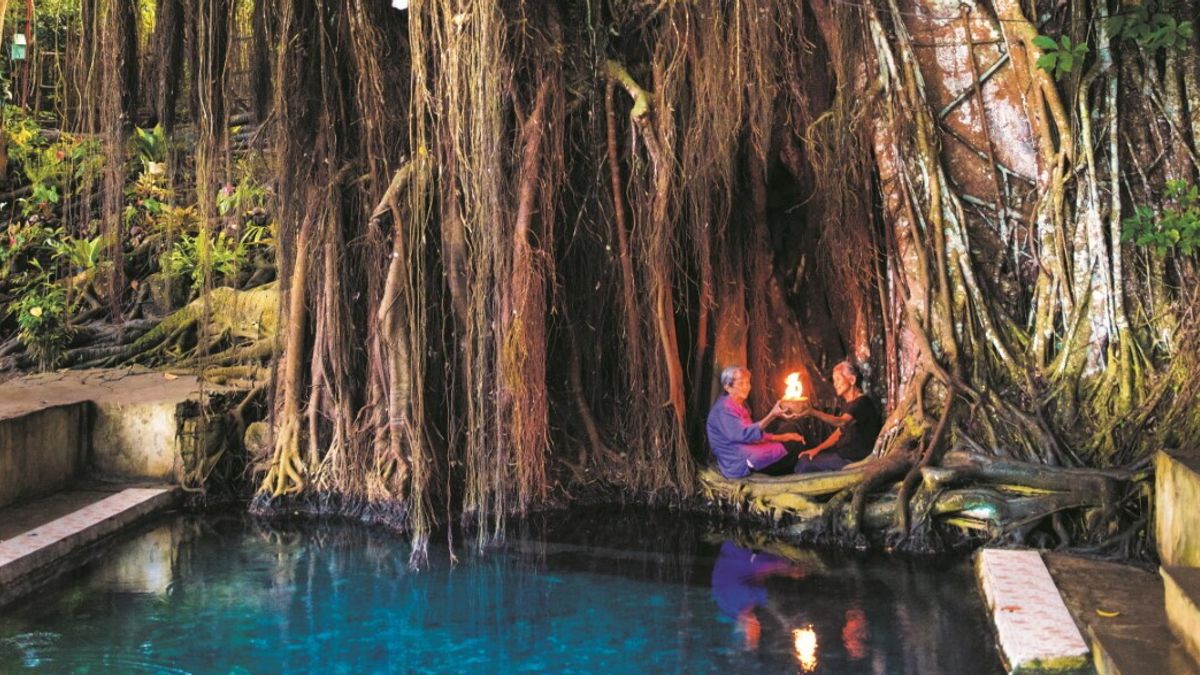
pixel 1034 630
pixel 1177 498
pixel 30 559
pixel 1181 588
pixel 1119 607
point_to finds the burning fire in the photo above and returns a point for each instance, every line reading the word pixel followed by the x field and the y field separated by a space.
pixel 795 388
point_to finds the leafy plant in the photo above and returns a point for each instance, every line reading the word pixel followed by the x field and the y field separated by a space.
pixel 147 200
pixel 148 196
pixel 1149 27
pixel 174 219
pixel 22 132
pixel 150 146
pixel 1176 227
pixel 40 310
pixel 257 235
pixel 22 243
pixel 1059 58
pixel 80 253
pixel 246 195
pixel 194 256
pixel 41 198
pixel 50 166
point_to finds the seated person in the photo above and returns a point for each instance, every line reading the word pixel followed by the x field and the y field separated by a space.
pixel 738 442
pixel 857 425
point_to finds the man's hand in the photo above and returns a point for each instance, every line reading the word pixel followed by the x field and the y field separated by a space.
pixel 783 438
pixel 810 454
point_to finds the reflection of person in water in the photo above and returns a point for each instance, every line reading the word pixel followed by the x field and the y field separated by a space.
pixel 829 613
pixel 738 585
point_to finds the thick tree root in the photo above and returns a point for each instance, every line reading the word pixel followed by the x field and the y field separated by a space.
pixel 969 497
pixel 224 327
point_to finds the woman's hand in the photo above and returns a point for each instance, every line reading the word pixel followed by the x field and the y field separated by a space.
pixel 778 410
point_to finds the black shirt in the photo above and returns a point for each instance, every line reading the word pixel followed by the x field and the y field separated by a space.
pixel 858 436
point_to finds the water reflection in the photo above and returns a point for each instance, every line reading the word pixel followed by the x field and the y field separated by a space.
pixel 596 594
pixel 739 586
pixel 767 593
pixel 144 564
pixel 806 647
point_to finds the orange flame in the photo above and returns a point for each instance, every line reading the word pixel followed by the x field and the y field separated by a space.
pixel 795 388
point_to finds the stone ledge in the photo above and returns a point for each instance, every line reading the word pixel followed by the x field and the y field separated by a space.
pixel 136 420
pixel 1034 630
pixel 1176 518
pixel 1181 588
pixel 42 451
pixel 38 555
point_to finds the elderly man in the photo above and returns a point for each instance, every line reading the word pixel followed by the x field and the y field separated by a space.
pixel 738 442
pixel 857 425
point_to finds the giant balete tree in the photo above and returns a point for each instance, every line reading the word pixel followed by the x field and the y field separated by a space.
pixel 518 239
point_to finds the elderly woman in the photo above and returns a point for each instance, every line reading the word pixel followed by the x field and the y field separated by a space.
pixel 738 442
pixel 856 426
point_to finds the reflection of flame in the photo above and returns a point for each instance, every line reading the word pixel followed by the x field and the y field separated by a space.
pixel 795 388
pixel 854 634
pixel 805 642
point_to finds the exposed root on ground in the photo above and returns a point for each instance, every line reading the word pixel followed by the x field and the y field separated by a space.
pixel 969 496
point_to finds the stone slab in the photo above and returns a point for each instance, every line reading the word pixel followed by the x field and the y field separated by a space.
pixel 1181 586
pixel 1177 502
pixel 1119 607
pixel 1034 630
pixel 36 556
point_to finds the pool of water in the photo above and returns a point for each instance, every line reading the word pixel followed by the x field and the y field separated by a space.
pixel 592 591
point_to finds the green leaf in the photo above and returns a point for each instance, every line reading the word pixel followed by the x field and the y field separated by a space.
pixel 1045 42
pixel 1047 61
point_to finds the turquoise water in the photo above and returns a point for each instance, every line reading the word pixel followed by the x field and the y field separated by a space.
pixel 592 592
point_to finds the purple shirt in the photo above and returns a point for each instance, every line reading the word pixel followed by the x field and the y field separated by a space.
pixel 737 441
